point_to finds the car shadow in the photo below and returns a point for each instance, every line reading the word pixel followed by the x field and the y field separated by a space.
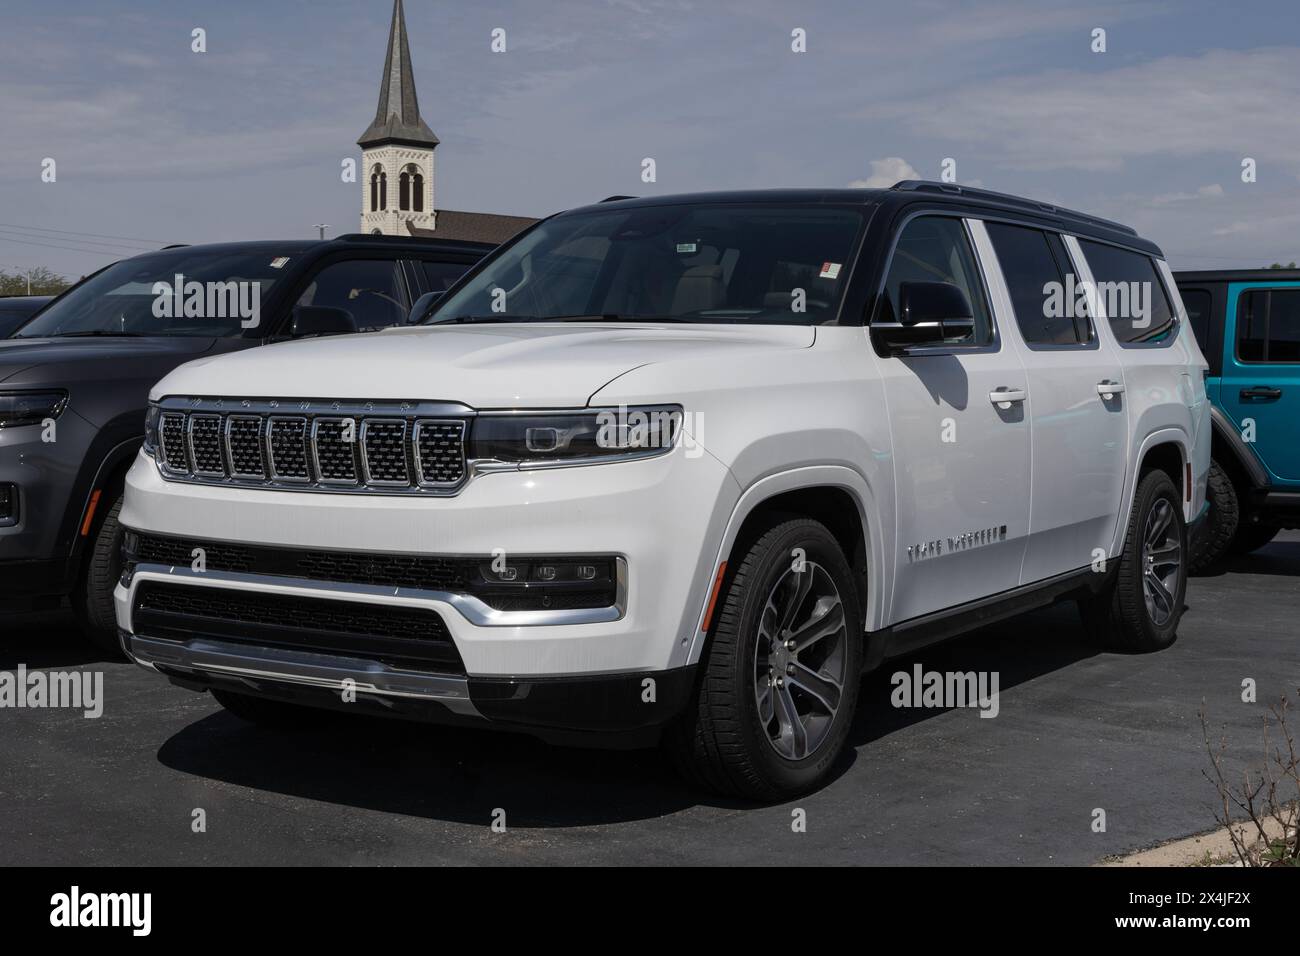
pixel 45 639
pixel 461 775
pixel 1276 558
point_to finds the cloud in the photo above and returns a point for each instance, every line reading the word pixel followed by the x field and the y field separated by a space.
pixel 1212 191
pixel 885 172
pixel 1221 102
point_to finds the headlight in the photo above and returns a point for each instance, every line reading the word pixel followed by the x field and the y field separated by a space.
pixel 602 434
pixel 31 408
pixel 151 430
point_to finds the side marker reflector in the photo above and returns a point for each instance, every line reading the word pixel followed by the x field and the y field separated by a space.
pixel 90 513
pixel 713 598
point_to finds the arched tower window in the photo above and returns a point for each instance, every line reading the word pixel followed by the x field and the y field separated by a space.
pixel 417 184
pixel 404 191
pixel 374 189
pixel 383 190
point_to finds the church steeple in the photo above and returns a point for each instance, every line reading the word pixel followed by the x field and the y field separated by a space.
pixel 397 148
pixel 397 120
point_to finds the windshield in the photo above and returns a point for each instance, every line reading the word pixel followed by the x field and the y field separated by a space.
pixel 720 263
pixel 182 292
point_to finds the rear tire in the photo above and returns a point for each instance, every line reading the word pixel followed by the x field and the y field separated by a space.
pixel 1140 608
pixel 267 713
pixel 1222 522
pixel 744 732
pixel 92 602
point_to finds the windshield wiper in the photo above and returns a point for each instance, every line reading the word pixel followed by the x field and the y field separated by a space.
pixel 493 317
pixel 615 317
pixel 90 333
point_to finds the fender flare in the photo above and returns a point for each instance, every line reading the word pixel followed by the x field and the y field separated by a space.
pixel 1226 432
pixel 1161 436
pixel 879 570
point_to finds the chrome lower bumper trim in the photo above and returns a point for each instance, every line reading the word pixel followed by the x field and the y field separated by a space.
pixel 256 664
pixel 468 606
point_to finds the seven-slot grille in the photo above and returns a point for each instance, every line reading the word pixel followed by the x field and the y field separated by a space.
pixel 334 452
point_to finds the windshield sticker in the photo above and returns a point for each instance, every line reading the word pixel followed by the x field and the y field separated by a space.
pixel 687 247
pixel 279 262
pixel 830 270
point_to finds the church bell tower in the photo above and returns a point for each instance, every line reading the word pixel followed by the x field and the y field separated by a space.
pixel 397 148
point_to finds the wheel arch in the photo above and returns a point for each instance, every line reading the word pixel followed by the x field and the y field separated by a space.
pixel 1168 449
pixel 835 495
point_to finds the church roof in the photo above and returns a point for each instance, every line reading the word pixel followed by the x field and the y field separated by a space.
pixel 398 116
pixel 472 226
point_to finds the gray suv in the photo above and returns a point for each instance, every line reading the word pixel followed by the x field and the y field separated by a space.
pixel 74 381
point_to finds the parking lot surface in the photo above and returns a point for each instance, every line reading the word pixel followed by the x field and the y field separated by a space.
pixel 1077 730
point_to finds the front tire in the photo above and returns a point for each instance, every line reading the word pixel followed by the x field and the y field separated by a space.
pixel 779 684
pixel 1140 608
pixel 92 602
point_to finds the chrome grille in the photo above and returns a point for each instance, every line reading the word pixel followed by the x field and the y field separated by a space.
pixel 334 441
pixel 389 447
pixel 205 445
pixel 172 431
pixel 438 452
pixel 287 440
pixel 244 446
pixel 384 451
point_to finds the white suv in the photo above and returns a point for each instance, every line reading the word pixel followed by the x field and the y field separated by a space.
pixel 682 468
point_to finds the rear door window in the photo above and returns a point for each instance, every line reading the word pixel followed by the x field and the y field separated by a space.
pixel 1268 326
pixel 1135 300
pixel 1034 264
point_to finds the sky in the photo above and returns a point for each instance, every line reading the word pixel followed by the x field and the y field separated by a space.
pixel 154 143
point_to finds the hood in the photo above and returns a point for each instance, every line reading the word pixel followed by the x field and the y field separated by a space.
pixel 43 361
pixel 545 365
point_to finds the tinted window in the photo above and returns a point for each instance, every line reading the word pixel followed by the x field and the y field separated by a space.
pixel 1268 326
pixel 221 294
pixel 1198 304
pixel 1131 292
pixel 937 249
pixel 686 263
pixel 369 289
pixel 440 275
pixel 1035 264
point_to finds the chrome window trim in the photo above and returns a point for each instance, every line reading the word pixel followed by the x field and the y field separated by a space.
pixel 467 605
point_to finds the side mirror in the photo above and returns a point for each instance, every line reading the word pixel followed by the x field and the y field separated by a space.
pixel 321 320
pixel 929 313
pixel 423 306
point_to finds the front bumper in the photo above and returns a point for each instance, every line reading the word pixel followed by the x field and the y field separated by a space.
pixel 581 670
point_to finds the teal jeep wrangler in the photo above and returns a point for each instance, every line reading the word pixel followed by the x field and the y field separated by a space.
pixel 1248 325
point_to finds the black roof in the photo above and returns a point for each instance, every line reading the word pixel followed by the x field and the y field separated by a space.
pixel 908 192
pixel 299 246
pixel 1239 275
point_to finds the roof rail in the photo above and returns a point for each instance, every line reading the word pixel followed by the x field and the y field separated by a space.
pixel 616 198
pixel 177 245
pixel 1006 199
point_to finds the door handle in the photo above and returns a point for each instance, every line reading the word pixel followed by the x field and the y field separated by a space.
pixel 1003 396
pixel 1261 391
pixel 1110 389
